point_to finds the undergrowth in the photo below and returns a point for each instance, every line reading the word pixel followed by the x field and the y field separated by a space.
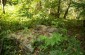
pixel 58 44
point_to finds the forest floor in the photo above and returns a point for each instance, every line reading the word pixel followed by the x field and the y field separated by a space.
pixel 79 33
pixel 22 39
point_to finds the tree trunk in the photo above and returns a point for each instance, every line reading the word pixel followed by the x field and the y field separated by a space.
pixel 83 23
pixel 3 3
pixel 58 13
pixel 66 12
pixel 1 46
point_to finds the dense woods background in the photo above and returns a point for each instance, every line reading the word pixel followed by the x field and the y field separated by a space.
pixel 42 27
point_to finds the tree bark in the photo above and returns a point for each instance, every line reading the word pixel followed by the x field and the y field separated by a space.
pixel 83 23
pixel 1 46
pixel 3 3
pixel 58 13
pixel 66 12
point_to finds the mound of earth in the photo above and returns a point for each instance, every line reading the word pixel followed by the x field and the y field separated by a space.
pixel 27 36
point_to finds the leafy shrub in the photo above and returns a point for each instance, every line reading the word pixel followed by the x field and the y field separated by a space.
pixel 58 44
pixel 10 47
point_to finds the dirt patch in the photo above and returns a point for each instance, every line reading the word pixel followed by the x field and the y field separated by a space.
pixel 27 36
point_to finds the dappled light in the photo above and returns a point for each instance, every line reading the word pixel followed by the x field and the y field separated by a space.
pixel 42 27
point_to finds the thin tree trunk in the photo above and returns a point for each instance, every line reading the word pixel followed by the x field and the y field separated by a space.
pixel 3 3
pixel 58 13
pixel 3 9
pixel 1 46
pixel 66 12
pixel 83 23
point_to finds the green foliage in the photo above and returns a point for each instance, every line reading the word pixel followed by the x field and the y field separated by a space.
pixel 10 46
pixel 58 44
pixel 24 14
pixel 80 7
pixel 52 40
pixel 58 23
